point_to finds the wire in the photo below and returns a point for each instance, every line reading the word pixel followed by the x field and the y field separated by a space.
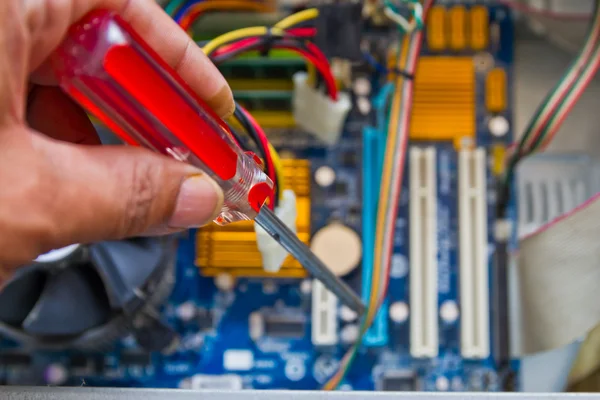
pixel 298 18
pixel 556 107
pixel 390 189
pixel 174 6
pixel 192 14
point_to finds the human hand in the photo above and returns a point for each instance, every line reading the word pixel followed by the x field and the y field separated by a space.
pixel 56 189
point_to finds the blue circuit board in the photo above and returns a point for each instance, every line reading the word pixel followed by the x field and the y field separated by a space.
pixel 295 363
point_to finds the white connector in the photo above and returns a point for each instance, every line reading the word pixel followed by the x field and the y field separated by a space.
pixel 324 316
pixel 473 254
pixel 424 334
pixel 273 255
pixel 316 112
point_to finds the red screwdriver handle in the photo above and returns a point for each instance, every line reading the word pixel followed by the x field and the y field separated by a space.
pixel 109 69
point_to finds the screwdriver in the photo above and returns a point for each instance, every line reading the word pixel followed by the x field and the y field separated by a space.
pixel 106 67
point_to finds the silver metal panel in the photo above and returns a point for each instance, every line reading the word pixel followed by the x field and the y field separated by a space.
pixel 49 393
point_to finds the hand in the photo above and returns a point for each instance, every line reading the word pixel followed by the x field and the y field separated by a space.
pixel 55 187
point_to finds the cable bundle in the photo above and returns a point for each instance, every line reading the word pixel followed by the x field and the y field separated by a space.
pixel 185 13
pixel 557 105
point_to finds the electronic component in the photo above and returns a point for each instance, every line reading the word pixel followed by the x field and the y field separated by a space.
pixel 423 253
pixel 204 319
pixel 436 28
pixel 135 358
pixel 479 28
pixel 288 324
pixel 232 249
pixel 272 253
pixel 444 100
pixel 79 302
pixel 324 316
pixel 317 113
pixel 339 30
pixel 458 27
pixel 473 254
pixel 496 97
pixel 214 382
pixel 398 381
pixel 338 246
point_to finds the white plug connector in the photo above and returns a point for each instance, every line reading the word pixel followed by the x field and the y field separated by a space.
pixel 317 113
pixel 273 255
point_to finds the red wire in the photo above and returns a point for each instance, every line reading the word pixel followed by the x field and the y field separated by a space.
pixel 265 145
pixel 298 32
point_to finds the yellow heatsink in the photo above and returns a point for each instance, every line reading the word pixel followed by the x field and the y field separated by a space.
pixel 232 249
pixel 444 100
pixel 480 28
pixel 457 16
pixel 436 28
pixel 495 90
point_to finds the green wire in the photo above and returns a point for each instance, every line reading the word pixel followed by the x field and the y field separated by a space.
pixel 174 6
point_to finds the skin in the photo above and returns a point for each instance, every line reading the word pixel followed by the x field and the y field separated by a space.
pixel 57 186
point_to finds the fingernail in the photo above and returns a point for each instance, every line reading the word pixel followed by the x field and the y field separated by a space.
pixel 222 102
pixel 199 201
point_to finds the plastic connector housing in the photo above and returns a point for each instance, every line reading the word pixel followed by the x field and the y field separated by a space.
pixel 324 316
pixel 271 252
pixel 317 113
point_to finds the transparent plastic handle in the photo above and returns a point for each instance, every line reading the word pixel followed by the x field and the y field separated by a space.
pixel 107 67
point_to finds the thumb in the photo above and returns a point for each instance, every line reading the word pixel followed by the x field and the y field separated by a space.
pixel 118 191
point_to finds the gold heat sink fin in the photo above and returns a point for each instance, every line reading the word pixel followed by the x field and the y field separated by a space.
pixel 232 249
pixel 444 100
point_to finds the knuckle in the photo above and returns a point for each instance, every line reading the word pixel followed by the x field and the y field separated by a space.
pixel 142 192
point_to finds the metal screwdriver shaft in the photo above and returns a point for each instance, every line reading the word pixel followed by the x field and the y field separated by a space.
pixel 289 241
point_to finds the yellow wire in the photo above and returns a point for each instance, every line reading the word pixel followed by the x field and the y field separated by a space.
pixel 277 30
pixel 297 18
pixel 278 169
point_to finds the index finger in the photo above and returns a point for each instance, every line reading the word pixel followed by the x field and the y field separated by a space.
pixel 49 23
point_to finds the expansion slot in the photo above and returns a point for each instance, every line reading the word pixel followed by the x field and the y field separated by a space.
pixel 324 316
pixel 473 254
pixel 423 253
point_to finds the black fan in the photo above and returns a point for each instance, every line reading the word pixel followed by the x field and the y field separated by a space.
pixel 86 296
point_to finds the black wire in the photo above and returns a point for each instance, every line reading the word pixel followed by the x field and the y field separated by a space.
pixel 261 151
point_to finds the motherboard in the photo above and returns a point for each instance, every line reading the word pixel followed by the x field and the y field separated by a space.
pixel 440 326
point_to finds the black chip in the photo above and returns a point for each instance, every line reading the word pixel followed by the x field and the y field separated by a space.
pixel 339 30
pixel 401 381
pixel 79 361
pixel 140 358
pixel 340 187
pixel 15 359
pixel 349 159
pixel 285 326
pixel 205 319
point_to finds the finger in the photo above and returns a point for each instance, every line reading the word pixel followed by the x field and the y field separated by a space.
pixel 103 193
pixel 151 22
pixel 53 113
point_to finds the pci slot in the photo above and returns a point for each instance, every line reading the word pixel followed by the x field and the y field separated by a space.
pixel 423 253
pixel 324 316
pixel 473 254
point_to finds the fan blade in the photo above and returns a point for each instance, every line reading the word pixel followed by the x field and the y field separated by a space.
pixel 20 295
pixel 72 302
pixel 126 265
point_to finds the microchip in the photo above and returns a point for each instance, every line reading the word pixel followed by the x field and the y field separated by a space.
pixel 205 319
pixel 138 358
pixel 79 361
pixel 398 381
pixel 349 159
pixel 339 30
pixel 340 187
pixel 15 359
pixel 284 325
